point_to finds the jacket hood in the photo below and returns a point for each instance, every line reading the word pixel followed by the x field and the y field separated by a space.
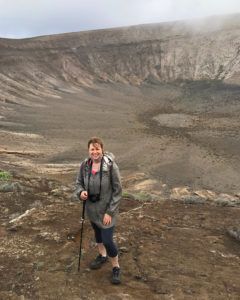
pixel 109 155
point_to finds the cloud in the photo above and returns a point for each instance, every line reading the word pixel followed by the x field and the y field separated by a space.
pixel 25 18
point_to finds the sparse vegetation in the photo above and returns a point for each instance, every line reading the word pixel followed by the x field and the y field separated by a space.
pixel 138 196
pixel 5 176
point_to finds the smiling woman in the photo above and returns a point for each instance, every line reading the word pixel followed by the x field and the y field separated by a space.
pixel 99 184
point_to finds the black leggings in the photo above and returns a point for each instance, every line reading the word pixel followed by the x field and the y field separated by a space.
pixel 105 236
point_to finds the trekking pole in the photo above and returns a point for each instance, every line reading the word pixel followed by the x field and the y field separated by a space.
pixel 81 235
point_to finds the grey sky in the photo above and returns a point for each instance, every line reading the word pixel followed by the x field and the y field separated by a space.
pixel 26 18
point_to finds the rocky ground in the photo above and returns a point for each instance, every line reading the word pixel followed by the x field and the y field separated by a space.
pixel 179 134
pixel 180 245
pixel 177 147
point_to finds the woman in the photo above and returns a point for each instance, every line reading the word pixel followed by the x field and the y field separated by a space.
pixel 99 184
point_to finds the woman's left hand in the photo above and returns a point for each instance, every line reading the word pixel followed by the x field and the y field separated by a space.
pixel 107 219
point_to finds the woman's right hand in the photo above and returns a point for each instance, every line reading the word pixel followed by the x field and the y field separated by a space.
pixel 84 195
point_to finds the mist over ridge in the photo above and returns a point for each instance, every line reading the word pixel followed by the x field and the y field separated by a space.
pixel 204 49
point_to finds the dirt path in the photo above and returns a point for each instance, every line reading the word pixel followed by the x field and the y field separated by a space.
pixel 168 249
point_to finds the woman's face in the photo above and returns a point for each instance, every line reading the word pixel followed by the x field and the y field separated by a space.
pixel 95 151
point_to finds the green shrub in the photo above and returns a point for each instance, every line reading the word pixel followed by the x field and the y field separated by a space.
pixel 5 176
pixel 138 196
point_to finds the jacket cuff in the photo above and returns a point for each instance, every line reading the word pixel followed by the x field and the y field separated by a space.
pixel 110 213
pixel 78 193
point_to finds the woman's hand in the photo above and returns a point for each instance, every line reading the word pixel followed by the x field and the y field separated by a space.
pixel 107 219
pixel 84 195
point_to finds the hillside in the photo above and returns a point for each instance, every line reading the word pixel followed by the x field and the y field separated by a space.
pixel 199 50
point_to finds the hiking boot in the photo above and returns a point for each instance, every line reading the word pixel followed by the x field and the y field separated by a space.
pixel 116 275
pixel 98 262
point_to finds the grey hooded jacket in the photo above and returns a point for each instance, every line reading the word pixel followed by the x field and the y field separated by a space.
pixel 111 190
